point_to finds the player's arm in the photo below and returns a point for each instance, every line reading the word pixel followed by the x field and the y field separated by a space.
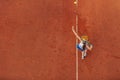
pixel 89 46
pixel 75 33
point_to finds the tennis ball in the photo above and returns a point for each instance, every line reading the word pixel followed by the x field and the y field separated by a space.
pixel 75 2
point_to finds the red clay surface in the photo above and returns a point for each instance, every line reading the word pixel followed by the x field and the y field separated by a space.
pixel 36 41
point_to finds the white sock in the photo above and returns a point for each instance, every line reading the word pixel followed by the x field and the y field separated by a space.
pixel 85 54
pixel 82 55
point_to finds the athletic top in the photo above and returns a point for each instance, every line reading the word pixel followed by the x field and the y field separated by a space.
pixel 82 45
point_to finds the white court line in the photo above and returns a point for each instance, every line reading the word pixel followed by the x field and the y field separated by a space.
pixel 76 40
pixel 76 50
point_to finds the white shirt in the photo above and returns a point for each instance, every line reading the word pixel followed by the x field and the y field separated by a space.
pixel 81 45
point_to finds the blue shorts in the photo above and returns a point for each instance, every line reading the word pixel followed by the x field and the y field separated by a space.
pixel 80 48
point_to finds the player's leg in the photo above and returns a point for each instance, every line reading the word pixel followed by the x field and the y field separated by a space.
pixel 83 52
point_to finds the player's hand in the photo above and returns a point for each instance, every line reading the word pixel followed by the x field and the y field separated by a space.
pixel 73 28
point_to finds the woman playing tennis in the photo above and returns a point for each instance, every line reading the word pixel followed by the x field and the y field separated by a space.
pixel 83 44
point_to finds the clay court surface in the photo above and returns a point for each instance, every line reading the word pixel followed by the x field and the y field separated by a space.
pixel 37 43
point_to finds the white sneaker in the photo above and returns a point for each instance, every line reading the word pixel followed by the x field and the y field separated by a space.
pixel 85 54
pixel 82 58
